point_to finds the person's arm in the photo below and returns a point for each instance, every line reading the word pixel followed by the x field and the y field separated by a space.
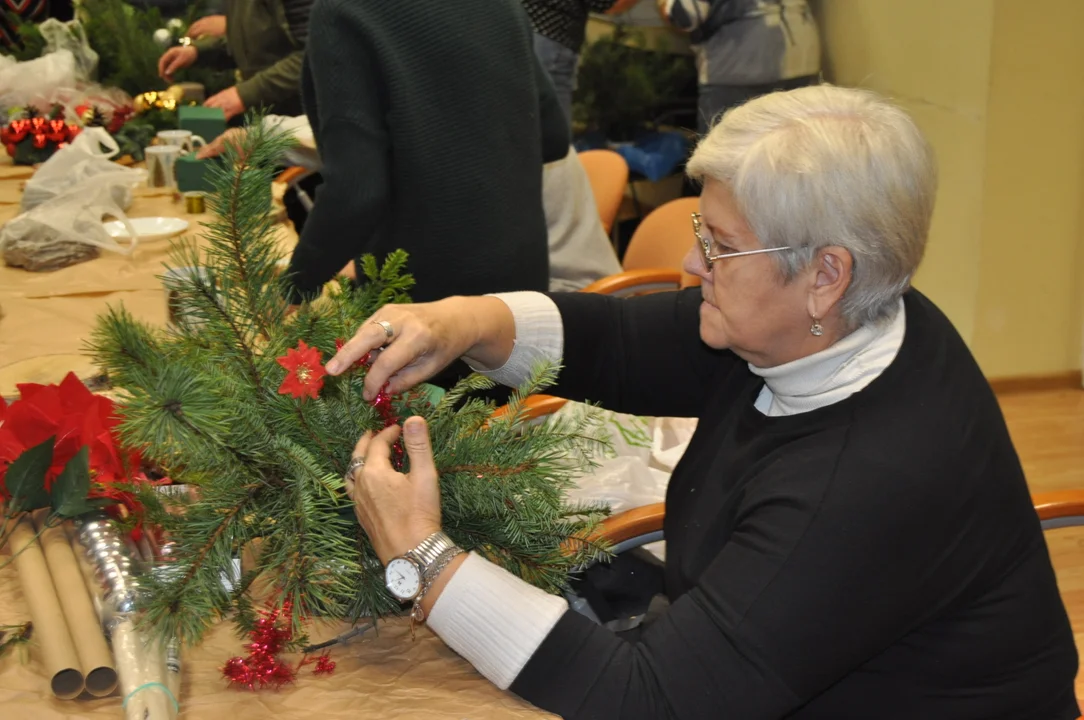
pixel 640 355
pixel 610 350
pixel 281 81
pixel 355 150
pixel 213 52
pixel 799 596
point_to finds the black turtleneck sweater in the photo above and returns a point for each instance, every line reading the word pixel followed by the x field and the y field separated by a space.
pixel 433 121
pixel 875 558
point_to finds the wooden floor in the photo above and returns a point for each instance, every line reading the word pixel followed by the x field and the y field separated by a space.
pixel 1048 429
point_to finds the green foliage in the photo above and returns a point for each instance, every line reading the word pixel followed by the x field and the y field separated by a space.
pixel 136 135
pixel 29 41
pixel 25 479
pixel 202 401
pixel 69 491
pixel 621 82
pixel 123 37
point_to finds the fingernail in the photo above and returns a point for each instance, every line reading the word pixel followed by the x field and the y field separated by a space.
pixel 413 427
pixel 333 367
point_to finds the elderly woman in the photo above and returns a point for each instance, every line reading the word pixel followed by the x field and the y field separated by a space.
pixel 849 534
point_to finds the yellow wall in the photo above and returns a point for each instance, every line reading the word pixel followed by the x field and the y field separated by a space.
pixel 1028 317
pixel 997 87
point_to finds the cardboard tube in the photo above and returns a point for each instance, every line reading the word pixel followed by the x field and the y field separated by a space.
pixel 58 653
pixel 95 659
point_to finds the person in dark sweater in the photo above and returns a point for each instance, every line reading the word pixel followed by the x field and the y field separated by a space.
pixel 433 121
pixel 849 533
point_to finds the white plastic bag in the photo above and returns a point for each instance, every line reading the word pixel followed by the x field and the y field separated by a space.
pixel 72 37
pixel 44 237
pixel 77 164
pixel 645 452
pixel 34 81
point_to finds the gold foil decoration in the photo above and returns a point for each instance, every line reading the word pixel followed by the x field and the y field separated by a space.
pixel 167 99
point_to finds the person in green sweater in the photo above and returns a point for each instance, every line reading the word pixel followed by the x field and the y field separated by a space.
pixel 265 41
pixel 433 121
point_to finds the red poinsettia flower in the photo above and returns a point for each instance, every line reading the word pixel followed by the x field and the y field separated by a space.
pixel 76 417
pixel 306 372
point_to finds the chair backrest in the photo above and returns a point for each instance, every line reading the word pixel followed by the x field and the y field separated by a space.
pixel 609 176
pixel 663 238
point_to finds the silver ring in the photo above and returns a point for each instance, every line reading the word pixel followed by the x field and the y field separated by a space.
pixel 355 465
pixel 389 331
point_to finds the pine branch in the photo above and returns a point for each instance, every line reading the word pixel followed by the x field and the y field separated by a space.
pixel 212 540
pixel 203 401
pixel 316 438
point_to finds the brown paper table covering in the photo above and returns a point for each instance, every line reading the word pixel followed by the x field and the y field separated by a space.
pixel 45 318
pixel 383 676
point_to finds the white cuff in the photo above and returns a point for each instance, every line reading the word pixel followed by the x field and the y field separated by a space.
pixel 540 336
pixel 493 619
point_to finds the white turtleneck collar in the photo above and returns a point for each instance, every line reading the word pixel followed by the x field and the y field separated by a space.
pixel 833 374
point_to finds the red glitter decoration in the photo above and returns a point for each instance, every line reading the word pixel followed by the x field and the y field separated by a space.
pixel 306 373
pixel 382 403
pixel 360 362
pixel 262 667
pixel 324 666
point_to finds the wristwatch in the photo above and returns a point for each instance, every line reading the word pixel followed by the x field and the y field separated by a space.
pixel 409 575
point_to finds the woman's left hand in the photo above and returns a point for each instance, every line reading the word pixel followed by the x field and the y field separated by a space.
pixel 397 511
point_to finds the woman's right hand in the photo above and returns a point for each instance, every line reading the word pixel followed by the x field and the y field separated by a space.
pixel 426 338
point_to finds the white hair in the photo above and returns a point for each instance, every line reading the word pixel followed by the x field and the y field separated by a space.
pixel 826 165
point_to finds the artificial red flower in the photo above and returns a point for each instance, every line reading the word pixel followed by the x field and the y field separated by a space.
pixel 76 417
pixel 306 372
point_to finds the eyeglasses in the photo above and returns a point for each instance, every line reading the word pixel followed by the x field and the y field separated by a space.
pixel 705 246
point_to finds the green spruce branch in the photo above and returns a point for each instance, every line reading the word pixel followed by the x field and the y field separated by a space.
pixel 202 399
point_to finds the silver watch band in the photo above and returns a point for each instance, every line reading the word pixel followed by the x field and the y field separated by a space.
pixel 429 550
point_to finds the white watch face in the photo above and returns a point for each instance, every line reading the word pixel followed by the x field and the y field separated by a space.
pixel 403 578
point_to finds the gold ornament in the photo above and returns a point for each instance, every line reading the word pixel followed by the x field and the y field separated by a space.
pixel 167 99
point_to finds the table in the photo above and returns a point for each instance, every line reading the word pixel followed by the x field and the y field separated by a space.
pixel 46 317
pixel 383 676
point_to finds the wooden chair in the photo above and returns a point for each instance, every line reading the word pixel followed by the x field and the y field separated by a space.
pixel 535 407
pixel 608 174
pixel 291 177
pixel 653 260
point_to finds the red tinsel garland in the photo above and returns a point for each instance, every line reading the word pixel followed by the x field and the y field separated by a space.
pixel 263 667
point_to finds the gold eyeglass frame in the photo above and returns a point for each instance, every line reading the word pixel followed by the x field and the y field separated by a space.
pixel 705 247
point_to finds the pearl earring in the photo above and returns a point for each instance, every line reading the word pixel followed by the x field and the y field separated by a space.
pixel 816 329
